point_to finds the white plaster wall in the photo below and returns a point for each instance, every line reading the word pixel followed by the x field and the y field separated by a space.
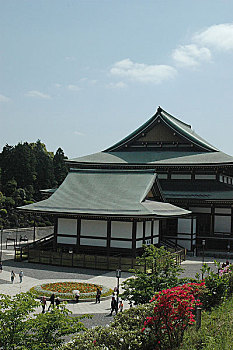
pixel 67 226
pixel 205 177
pixel 223 211
pixel 194 225
pixel 139 233
pixel 222 224
pixel 148 229
pixel 139 244
pixel 184 225
pixel 93 242
pixel 155 240
pixel 162 176
pixel 121 244
pixel 96 228
pixel 156 228
pixel 66 240
pixel 121 229
pixel 200 210
pixel 181 176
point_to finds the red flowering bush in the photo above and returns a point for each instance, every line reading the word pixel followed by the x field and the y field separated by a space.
pixel 173 313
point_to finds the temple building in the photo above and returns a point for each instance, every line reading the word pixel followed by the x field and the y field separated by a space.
pixel 161 183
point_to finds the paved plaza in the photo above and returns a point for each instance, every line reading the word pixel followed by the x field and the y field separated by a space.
pixel 35 274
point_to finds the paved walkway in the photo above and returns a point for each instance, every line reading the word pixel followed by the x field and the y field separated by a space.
pixel 35 274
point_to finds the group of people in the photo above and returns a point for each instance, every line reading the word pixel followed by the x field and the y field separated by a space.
pixel 53 301
pixel 116 307
pixel 20 276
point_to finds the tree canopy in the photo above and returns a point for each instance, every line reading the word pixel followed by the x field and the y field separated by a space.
pixel 26 169
pixel 22 328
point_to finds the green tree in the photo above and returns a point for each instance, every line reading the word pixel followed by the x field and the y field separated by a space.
pixel 59 165
pixel 22 329
pixel 44 169
pixel 156 270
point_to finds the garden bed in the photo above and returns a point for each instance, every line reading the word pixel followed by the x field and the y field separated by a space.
pixel 64 290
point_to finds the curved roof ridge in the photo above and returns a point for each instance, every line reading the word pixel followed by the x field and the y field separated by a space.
pixel 176 119
pixel 133 133
pixel 187 131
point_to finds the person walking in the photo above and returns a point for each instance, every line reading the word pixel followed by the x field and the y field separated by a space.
pixel 21 276
pixel 113 306
pixel 12 276
pixel 52 300
pixel 98 294
pixel 77 295
pixel 0 266
pixel 57 302
pixel 43 304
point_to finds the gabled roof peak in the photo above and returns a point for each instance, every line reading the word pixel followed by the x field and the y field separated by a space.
pixel 177 126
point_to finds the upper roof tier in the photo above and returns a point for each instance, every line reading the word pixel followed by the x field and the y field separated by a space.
pixel 163 141
pixel 120 193
pixel 163 129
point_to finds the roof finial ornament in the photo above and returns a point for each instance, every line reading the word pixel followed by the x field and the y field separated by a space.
pixel 159 110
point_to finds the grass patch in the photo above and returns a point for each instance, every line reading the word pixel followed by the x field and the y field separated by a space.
pixel 216 332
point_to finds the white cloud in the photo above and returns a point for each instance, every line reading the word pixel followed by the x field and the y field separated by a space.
pixel 70 58
pixel 142 72
pixel 79 133
pixel 57 85
pixel 118 85
pixel 191 55
pixel 73 87
pixel 35 93
pixel 4 98
pixel 218 36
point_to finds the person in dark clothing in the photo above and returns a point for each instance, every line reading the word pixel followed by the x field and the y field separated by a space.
pixel 98 294
pixel 113 306
pixel 43 303
pixel 57 302
pixel 52 300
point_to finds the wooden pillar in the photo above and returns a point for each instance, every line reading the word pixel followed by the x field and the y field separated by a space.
pixel 212 220
pixel 78 233
pixel 144 232
pixel 191 234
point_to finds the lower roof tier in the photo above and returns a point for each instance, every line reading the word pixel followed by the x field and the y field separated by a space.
pixel 106 193
pixel 198 189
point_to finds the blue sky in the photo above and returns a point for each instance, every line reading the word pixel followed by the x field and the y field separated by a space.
pixel 81 75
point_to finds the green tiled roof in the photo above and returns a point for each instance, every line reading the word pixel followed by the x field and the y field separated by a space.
pixel 107 193
pixel 198 189
pixel 155 158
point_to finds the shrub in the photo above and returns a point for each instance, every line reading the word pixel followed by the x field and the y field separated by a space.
pixel 123 333
pixel 219 286
pixel 173 313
